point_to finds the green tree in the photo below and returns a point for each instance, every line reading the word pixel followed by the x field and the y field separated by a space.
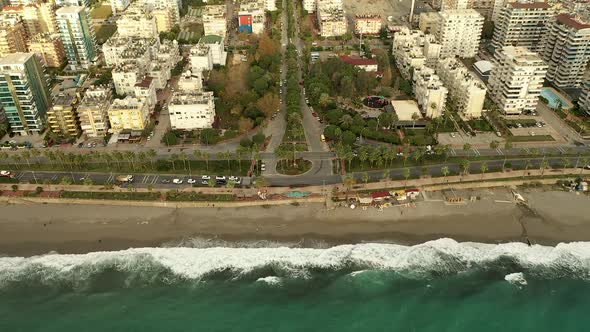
pixel 348 138
pixel 365 177
pixel 544 165
pixel 258 138
pixel 407 174
pixel 465 164
pixel 445 171
pixel 386 175
pixel 88 181
pixel 484 168
pixel 467 147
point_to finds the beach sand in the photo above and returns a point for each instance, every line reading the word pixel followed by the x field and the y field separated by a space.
pixel 550 217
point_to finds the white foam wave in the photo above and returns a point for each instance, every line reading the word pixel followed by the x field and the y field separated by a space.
pixel 270 280
pixel 516 279
pixel 355 273
pixel 439 256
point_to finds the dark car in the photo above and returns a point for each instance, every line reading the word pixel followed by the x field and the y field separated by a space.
pixel 165 181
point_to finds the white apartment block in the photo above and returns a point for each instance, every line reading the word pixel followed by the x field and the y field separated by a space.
pixel 37 17
pixel 146 89
pixel 367 24
pixel 119 5
pixel 428 22
pixel 566 49
pixel 412 49
pixel 466 91
pixel 172 6
pixel 584 100
pixel 430 92
pixel 516 79
pixel 192 110
pixel 217 48
pixel 93 110
pixel 117 49
pixel 271 5
pixel 128 113
pixel 459 32
pixel 215 20
pixel 190 81
pixel 137 21
pixel 331 18
pixel 126 75
pixel 256 19
pixel 522 24
pixel 201 58
pixel 309 5
pixel 454 4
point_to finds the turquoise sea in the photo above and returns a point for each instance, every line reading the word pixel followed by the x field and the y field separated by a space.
pixel 436 286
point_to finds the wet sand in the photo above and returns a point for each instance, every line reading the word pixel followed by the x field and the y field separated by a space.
pixel 549 218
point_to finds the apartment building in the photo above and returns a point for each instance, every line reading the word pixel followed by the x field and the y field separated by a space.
pixel 466 91
pixel 428 21
pixel 190 81
pixel 93 110
pixel 459 32
pixel 164 20
pixel 309 5
pixel 430 92
pixel 162 63
pixel 24 94
pixel 331 18
pixel 119 6
pixel 192 110
pixel 126 75
pixel 62 118
pixel 367 24
pixel 171 6
pixel 146 89
pixel 49 48
pixel 13 36
pixel 252 16
pixel 77 34
pixel 119 49
pixel 413 49
pixel 522 24
pixel 128 113
pixel 271 5
pixel 216 44
pixel 516 79
pixel 566 50
pixel 137 21
pixel 37 18
pixel 201 58
pixel 215 20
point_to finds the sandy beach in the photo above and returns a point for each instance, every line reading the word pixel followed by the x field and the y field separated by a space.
pixel 550 217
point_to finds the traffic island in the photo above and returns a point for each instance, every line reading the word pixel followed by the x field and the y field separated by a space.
pixel 293 167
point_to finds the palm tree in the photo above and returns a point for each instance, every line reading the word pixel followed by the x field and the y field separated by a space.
pixel 365 177
pixel 566 163
pixel 407 174
pixel 36 153
pixel 374 155
pixel 527 164
pixel 117 156
pixel 494 145
pixel 346 121
pixel 173 159
pixel 261 182
pixel 544 166
pixel 507 147
pixel 386 175
pixel 17 159
pixel 349 155
pixel 467 147
pixel 3 156
pixel 49 155
pixel 227 156
pixel 183 157
pixel 152 154
pixel 142 157
pixel 585 161
pixel 418 154
pixel 465 163
pixel 445 171
pixel 349 181
pixel 206 156
pixel 415 117
pixel 363 154
pixel 283 154
pixel 130 155
pixel 484 168
pixel 230 184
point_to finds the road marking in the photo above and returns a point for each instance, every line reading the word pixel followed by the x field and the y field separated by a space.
pixel 145 179
pixel 499 151
pixel 560 149
pixel 20 175
pixel 110 178
pixel 476 151
pixel 453 152
pixel 156 177
pixel 526 150
pixel 54 177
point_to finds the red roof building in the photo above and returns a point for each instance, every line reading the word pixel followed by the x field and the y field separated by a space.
pixel 365 64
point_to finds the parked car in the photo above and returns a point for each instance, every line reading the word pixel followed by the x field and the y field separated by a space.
pixel 177 181
pixel 217 178
pixel 191 181
pixel 205 177
pixel 234 178
pixel 5 174
pixel 165 181
pixel 262 167
pixel 205 182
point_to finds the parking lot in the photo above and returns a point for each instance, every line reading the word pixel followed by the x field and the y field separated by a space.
pixel 530 127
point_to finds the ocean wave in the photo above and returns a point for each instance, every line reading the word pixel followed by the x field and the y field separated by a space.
pixel 270 280
pixel 170 265
pixel 516 279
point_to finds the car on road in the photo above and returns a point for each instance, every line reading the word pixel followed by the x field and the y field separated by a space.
pixel 191 181
pixel 262 167
pixel 5 174
pixel 315 115
pixel 205 177
pixel 177 181
pixel 165 181
pixel 80 145
pixel 218 178
pixel 453 135
pixel 234 178
pixel 205 182
pixel 587 167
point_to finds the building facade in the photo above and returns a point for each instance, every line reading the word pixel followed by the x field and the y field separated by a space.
pixel 367 24
pixel 430 92
pixel 331 18
pixel 516 79
pixel 77 35
pixel 13 36
pixel 49 48
pixel 214 20
pixel 459 32
pixel 23 92
pixel 522 24
pixel 466 92
pixel 62 117
pixel 93 111
pixel 137 21
pixel 128 113
pixel 192 110
pixel 566 50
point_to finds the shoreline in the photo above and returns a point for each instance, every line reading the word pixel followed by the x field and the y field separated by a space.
pixel 551 217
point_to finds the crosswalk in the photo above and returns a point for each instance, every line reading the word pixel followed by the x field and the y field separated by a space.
pixel 561 149
pixel 500 152
pixel 150 179
pixel 476 152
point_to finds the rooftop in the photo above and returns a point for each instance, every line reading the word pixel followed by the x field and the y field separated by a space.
pixel 211 39
pixel 69 10
pixel 15 58
pixel 358 61
pixel 145 83
pixel 572 21
pixel 405 109
pixel 540 5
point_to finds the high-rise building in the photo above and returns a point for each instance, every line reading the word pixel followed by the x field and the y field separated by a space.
pixel 566 49
pixel 522 24
pixel 13 36
pixel 62 118
pixel 466 91
pixel 516 79
pixel 93 110
pixel 23 92
pixel 459 32
pixel 49 48
pixel 77 35
pixel 368 24
pixel 37 18
pixel 331 18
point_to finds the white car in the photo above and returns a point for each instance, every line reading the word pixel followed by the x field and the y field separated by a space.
pixel 220 178
pixel 205 177
pixel 5 173
pixel 177 181
pixel 453 135
pixel 262 167
pixel 205 182
pixel 234 178
pixel 191 181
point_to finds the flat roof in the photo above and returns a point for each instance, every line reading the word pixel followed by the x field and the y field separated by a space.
pixel 15 58
pixel 483 66
pixel 543 5
pixel 358 61
pixel 405 109
pixel 69 10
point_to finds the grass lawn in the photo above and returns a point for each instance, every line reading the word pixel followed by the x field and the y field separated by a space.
pixel 286 167
pixel 128 196
pixel 104 32
pixel 101 12
pixel 481 125
pixel 538 138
